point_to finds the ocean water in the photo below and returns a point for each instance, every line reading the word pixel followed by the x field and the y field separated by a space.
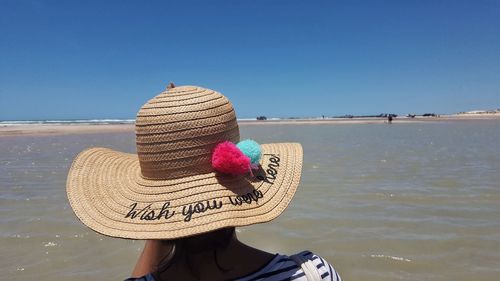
pixel 417 201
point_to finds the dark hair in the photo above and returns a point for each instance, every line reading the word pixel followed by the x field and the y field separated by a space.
pixel 185 248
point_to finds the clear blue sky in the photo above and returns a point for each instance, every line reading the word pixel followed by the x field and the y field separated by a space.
pixel 104 59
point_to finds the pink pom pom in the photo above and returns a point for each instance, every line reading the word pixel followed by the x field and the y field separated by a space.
pixel 227 158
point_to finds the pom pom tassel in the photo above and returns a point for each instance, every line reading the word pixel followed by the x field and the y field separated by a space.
pixel 232 159
pixel 228 159
pixel 251 149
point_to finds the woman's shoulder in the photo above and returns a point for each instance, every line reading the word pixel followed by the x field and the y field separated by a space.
pixel 295 267
pixel 282 267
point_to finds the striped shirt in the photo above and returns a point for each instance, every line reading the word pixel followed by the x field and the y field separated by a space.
pixel 282 268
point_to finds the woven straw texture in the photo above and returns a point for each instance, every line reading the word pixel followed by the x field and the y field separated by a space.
pixel 169 189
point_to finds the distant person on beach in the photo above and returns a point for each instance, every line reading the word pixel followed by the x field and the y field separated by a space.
pixel 191 183
pixel 389 118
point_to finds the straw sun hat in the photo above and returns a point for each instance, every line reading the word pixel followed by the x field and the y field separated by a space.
pixel 170 188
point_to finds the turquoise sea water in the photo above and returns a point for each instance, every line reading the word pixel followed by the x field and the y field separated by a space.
pixel 418 201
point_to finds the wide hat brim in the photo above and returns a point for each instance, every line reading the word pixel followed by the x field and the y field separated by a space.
pixel 108 194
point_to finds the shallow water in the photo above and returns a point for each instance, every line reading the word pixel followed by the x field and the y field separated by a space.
pixel 380 202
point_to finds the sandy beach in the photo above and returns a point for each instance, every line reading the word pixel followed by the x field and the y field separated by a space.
pixel 41 129
pixel 61 129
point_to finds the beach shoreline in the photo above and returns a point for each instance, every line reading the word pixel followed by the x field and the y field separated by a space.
pixel 62 129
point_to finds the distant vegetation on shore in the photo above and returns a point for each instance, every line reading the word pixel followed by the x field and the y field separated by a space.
pixel 382 115
pixel 393 115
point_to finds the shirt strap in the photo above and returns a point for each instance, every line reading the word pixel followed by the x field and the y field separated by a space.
pixel 307 266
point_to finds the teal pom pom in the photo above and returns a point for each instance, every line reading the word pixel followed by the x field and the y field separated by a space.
pixel 251 149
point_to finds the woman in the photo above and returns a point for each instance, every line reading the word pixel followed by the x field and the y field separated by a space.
pixel 190 184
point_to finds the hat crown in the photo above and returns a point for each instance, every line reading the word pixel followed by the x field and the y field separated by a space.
pixel 177 130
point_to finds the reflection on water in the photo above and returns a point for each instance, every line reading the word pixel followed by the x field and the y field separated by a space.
pixel 381 202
